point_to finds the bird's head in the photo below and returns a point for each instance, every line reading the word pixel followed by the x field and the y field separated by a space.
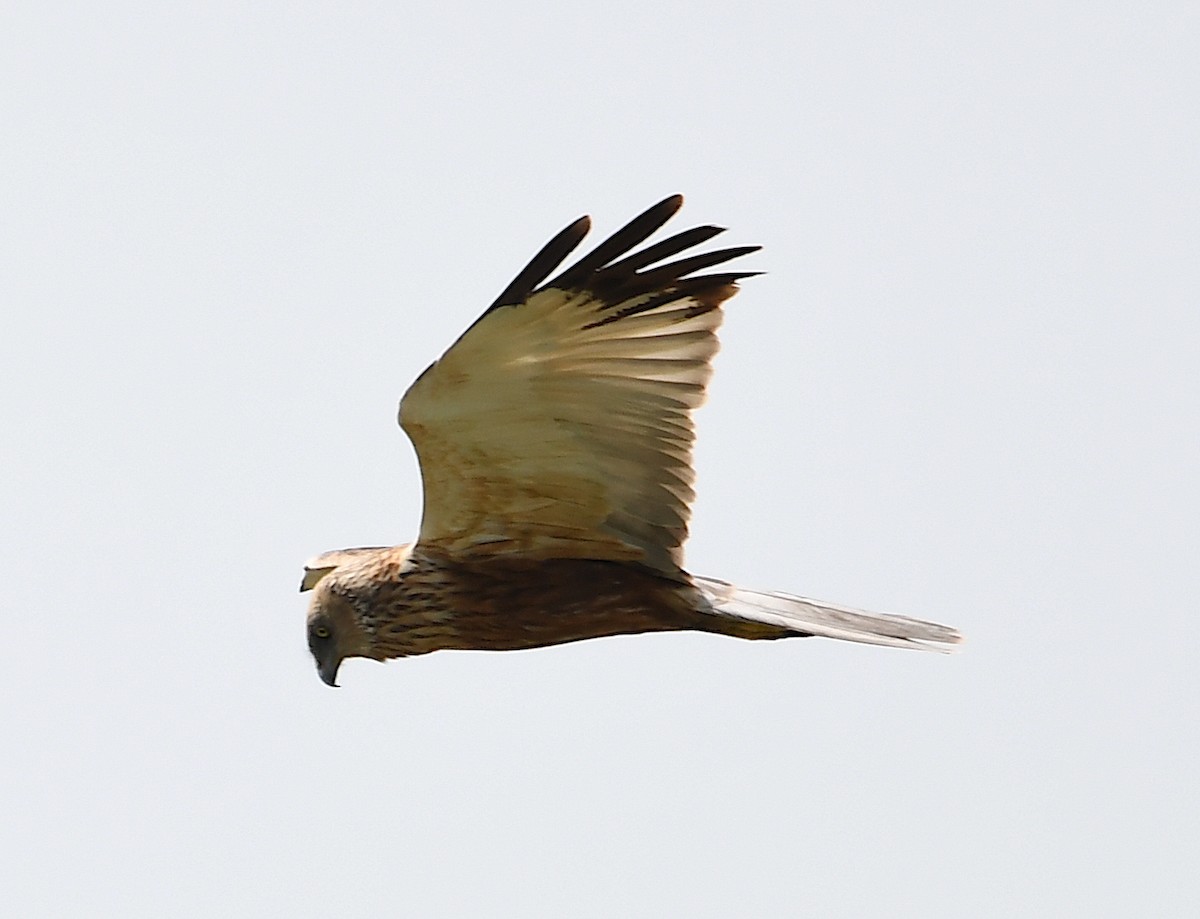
pixel 335 631
pixel 340 580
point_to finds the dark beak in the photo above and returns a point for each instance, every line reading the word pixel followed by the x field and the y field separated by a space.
pixel 328 670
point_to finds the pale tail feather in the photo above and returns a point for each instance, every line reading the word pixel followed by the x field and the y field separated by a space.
pixel 828 620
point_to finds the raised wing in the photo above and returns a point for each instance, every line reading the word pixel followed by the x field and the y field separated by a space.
pixel 559 424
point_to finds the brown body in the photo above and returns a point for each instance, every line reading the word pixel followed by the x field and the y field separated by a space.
pixel 399 603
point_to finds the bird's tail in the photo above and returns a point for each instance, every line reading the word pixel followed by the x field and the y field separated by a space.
pixel 799 615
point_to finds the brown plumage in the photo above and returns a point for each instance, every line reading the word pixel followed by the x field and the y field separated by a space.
pixel 555 443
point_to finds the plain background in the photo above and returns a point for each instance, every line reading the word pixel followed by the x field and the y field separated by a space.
pixel 966 389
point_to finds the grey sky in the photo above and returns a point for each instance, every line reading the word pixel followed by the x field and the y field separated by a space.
pixel 965 390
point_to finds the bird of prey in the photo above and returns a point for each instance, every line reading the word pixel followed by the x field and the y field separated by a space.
pixel 555 444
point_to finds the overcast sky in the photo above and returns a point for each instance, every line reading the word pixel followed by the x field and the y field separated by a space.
pixel 966 389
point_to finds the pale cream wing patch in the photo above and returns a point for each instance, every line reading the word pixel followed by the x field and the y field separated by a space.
pixel 545 432
pixel 559 424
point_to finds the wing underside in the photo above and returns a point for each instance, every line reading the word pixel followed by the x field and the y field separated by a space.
pixel 559 424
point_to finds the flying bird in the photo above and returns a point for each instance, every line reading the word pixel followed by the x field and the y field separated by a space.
pixel 555 444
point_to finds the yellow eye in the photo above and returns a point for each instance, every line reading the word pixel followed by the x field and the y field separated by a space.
pixel 321 632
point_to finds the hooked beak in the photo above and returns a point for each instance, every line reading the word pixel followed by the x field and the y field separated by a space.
pixel 328 670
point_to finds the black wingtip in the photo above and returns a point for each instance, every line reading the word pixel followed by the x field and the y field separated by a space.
pixel 549 257
pixel 611 272
pixel 634 233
